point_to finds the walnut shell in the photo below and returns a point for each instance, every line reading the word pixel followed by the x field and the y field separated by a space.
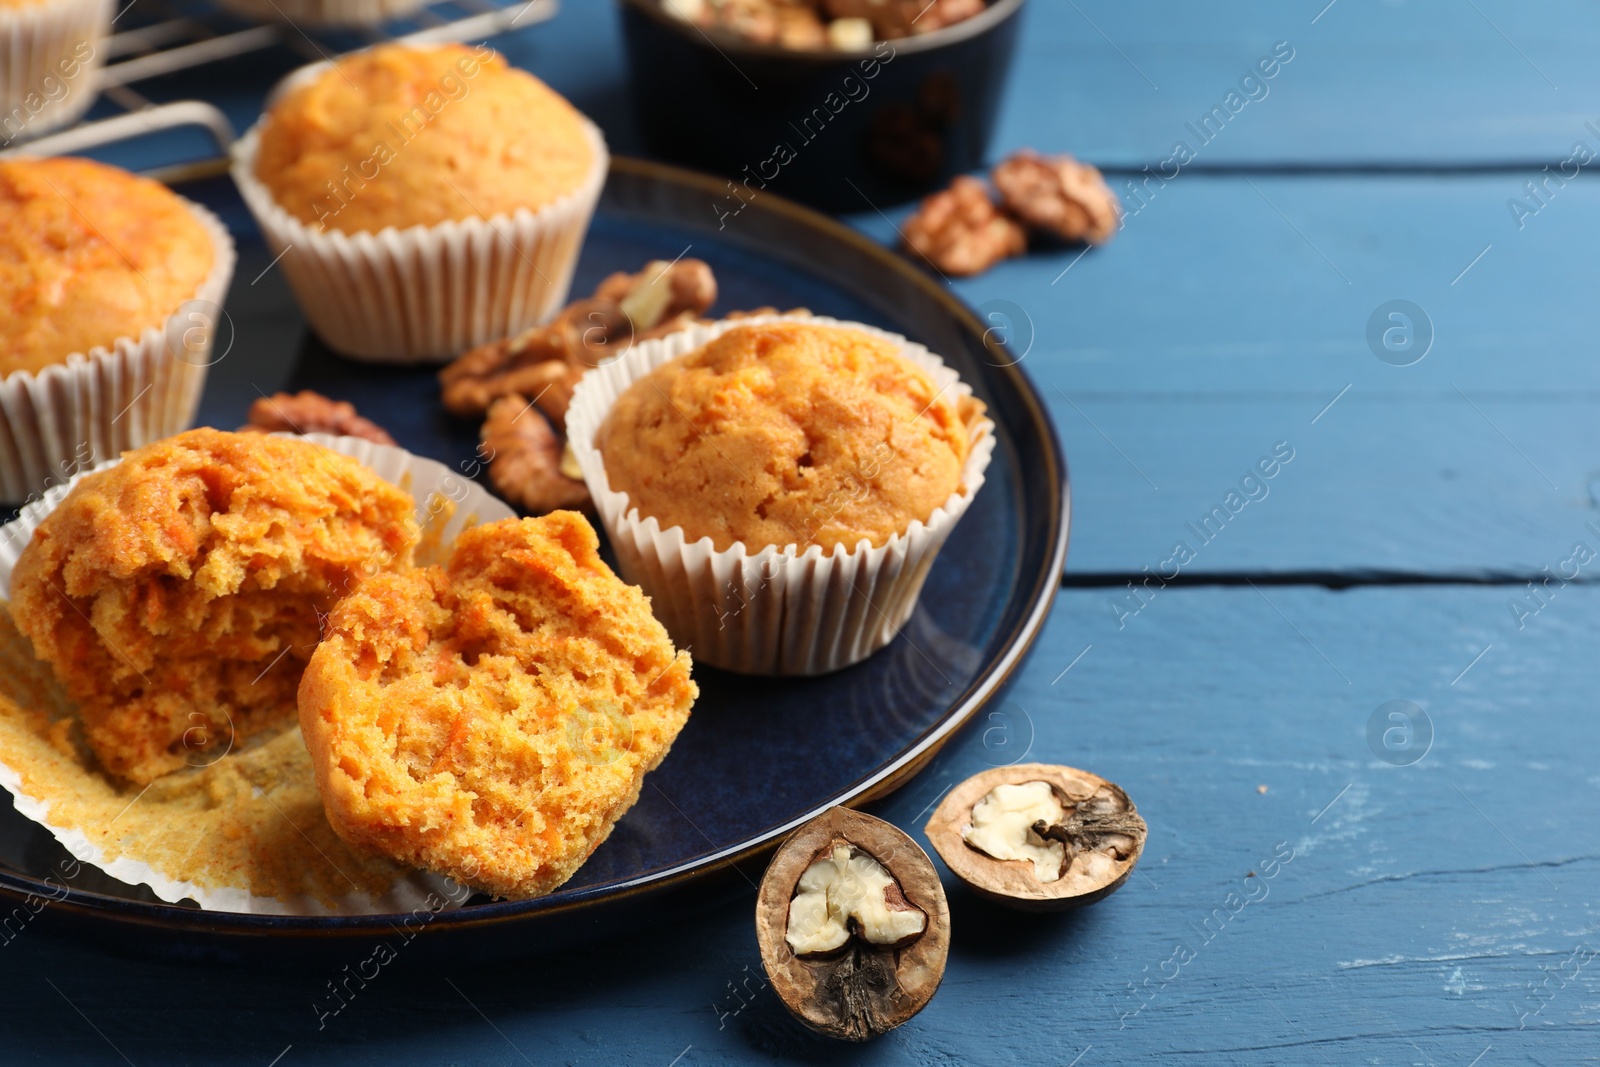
pixel 863 990
pixel 1012 882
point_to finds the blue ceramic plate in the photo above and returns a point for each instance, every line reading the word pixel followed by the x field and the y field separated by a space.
pixel 759 756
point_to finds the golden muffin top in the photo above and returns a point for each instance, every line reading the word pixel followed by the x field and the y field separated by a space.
pixel 88 254
pixel 407 136
pixel 788 433
pixel 491 720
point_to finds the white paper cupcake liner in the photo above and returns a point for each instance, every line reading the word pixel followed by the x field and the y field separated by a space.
pixel 39 45
pixel 427 481
pixel 322 12
pixel 91 408
pixel 777 609
pixel 426 293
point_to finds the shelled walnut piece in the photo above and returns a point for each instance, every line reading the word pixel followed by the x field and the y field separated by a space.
pixel 309 412
pixel 893 19
pixel 525 459
pixel 846 893
pixel 545 362
pixel 853 925
pixel 1037 836
pixel 810 25
pixel 961 231
pixel 1059 195
pixel 1008 824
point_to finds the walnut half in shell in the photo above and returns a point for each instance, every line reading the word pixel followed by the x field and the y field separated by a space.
pixel 1038 836
pixel 853 925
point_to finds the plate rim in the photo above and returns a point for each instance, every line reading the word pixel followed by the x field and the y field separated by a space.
pixel 906 765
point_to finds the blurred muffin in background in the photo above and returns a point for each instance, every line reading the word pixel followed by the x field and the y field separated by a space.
pixel 401 136
pixel 112 287
pixel 50 52
pixel 88 254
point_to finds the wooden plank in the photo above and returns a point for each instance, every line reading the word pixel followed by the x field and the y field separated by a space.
pixel 1372 83
pixel 1436 487
pixel 1229 314
pixel 1406 929
pixel 1256 286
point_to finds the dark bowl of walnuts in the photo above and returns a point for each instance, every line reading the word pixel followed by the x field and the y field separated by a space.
pixel 842 104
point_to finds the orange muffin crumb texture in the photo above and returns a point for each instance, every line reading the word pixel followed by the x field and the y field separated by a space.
pixel 408 136
pixel 89 254
pixel 788 433
pixel 493 719
pixel 252 821
pixel 178 594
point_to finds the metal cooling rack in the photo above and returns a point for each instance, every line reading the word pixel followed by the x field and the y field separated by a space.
pixel 162 39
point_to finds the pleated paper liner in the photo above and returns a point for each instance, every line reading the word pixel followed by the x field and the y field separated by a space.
pixel 91 408
pixel 243 832
pixel 426 293
pixel 50 55
pixel 783 610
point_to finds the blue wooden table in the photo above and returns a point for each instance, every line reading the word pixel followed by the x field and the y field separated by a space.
pixel 1433 899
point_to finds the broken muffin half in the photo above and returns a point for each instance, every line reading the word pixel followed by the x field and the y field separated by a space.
pixel 492 719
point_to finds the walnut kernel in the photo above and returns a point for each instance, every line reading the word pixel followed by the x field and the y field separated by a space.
pixel 525 459
pixel 309 412
pixel 545 362
pixel 1059 195
pixel 961 231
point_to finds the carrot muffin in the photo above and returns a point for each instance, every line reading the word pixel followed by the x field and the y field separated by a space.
pixel 178 594
pixel 403 136
pixel 787 433
pixel 493 719
pixel 89 254
pixel 781 485
pixel 422 200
